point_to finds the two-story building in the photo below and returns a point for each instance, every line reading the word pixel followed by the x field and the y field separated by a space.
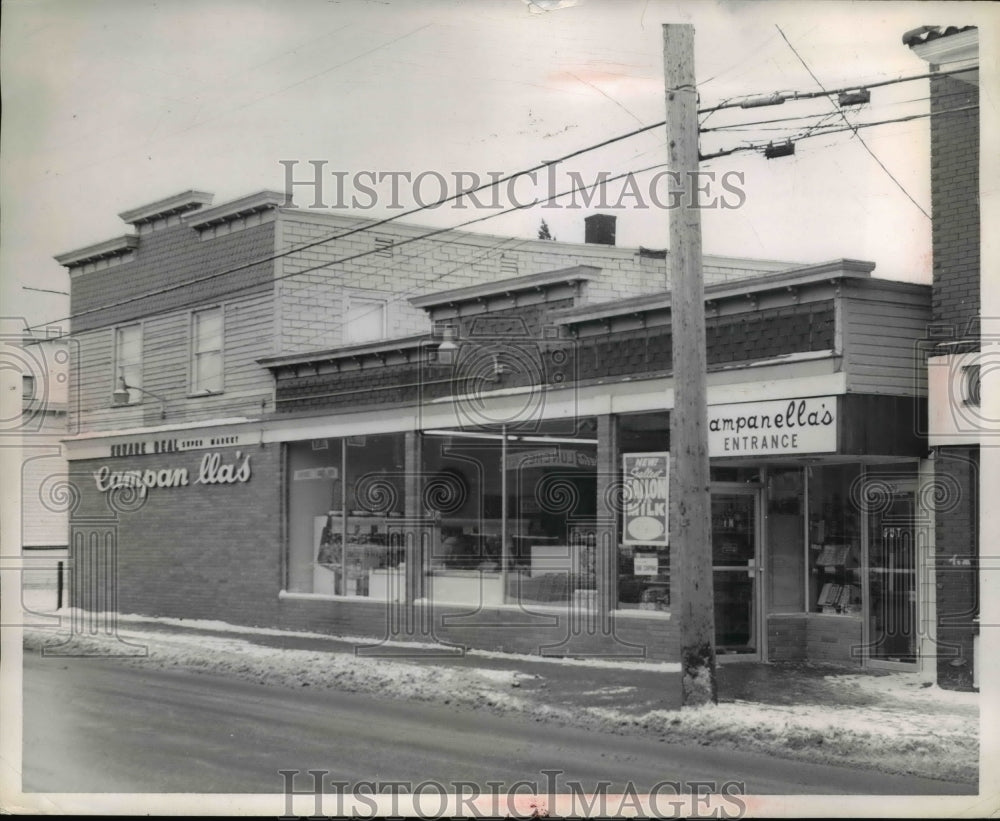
pixel 293 419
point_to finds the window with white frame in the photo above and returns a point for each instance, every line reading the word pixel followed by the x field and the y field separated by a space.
pixel 128 361
pixel 206 351
pixel 365 320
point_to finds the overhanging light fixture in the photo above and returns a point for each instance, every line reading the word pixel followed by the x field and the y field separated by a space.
pixel 446 350
pixel 122 395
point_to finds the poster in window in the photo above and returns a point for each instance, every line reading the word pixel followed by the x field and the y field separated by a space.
pixel 645 507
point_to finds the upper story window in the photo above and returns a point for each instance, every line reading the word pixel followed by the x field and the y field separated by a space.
pixel 366 320
pixel 206 351
pixel 128 361
pixel 27 387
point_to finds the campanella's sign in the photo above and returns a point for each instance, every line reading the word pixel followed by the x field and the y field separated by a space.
pixel 780 426
pixel 211 471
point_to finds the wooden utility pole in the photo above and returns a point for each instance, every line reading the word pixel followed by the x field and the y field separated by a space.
pixel 690 502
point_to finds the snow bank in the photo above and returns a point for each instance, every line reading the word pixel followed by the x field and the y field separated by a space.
pixel 906 726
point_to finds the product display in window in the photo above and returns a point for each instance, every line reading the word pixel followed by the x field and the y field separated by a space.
pixel 834 541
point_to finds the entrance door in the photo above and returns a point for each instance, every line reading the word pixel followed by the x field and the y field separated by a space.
pixel 735 566
pixel 892 578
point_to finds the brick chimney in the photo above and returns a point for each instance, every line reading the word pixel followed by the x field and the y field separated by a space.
pixel 599 229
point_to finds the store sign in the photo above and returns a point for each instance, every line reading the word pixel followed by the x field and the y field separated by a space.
pixel 781 426
pixel 646 565
pixel 149 447
pixel 211 471
pixel 645 504
pixel 551 457
pixel 307 474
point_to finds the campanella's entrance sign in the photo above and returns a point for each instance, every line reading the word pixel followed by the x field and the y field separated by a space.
pixel 211 471
pixel 779 426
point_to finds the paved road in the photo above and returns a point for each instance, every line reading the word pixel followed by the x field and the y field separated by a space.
pixel 99 725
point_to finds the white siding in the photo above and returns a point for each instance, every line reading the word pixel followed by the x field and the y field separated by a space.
pixel 881 335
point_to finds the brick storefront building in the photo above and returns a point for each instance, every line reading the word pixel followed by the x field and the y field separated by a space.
pixel 290 420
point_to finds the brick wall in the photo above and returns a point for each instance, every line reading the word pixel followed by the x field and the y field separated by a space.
pixel 955 202
pixel 833 638
pixel 786 638
pixel 201 551
pixel 957 551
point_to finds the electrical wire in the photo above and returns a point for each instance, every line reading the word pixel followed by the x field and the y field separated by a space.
pixel 867 148
pixel 538 167
pixel 405 241
pixel 851 127
pixel 790 96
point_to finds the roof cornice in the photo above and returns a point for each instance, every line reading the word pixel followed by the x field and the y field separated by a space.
pixel 786 281
pixel 955 50
pixel 100 250
pixel 251 204
pixel 513 285
pixel 177 204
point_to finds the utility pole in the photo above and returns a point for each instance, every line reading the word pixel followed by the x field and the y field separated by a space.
pixel 690 502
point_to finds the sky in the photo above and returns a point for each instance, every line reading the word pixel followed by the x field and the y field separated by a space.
pixel 113 104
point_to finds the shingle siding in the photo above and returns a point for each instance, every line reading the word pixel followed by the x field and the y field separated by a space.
pixel 167 258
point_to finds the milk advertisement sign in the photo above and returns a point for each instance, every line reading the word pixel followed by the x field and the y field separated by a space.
pixel 645 508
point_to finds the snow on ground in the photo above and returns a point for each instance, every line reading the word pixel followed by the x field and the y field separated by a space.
pixel 905 726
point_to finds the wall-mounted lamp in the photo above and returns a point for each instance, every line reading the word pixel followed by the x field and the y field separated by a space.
pixel 447 349
pixel 498 367
pixel 122 395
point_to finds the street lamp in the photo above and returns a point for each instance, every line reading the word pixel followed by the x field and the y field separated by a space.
pixel 121 396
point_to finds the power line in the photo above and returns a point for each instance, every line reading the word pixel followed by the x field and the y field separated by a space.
pixel 378 223
pixel 329 263
pixel 746 125
pixel 850 127
pixel 780 97
pixel 853 128
pixel 492 183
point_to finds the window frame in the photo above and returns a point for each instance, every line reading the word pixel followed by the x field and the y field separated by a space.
pixel 350 300
pixel 193 389
pixel 118 367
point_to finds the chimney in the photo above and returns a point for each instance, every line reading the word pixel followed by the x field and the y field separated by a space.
pixel 599 229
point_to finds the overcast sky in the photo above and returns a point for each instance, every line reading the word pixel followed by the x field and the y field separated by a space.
pixel 112 104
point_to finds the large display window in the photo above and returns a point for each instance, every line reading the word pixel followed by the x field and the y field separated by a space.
pixel 512 516
pixel 345 500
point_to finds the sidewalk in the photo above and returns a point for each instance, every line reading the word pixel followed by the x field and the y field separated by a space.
pixel 890 722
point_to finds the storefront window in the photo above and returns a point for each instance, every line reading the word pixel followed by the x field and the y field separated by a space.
pixel 344 496
pixel 544 551
pixel 834 552
pixel 785 533
pixel 643 566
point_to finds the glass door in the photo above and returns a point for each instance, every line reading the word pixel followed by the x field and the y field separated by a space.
pixel 735 568
pixel 892 578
